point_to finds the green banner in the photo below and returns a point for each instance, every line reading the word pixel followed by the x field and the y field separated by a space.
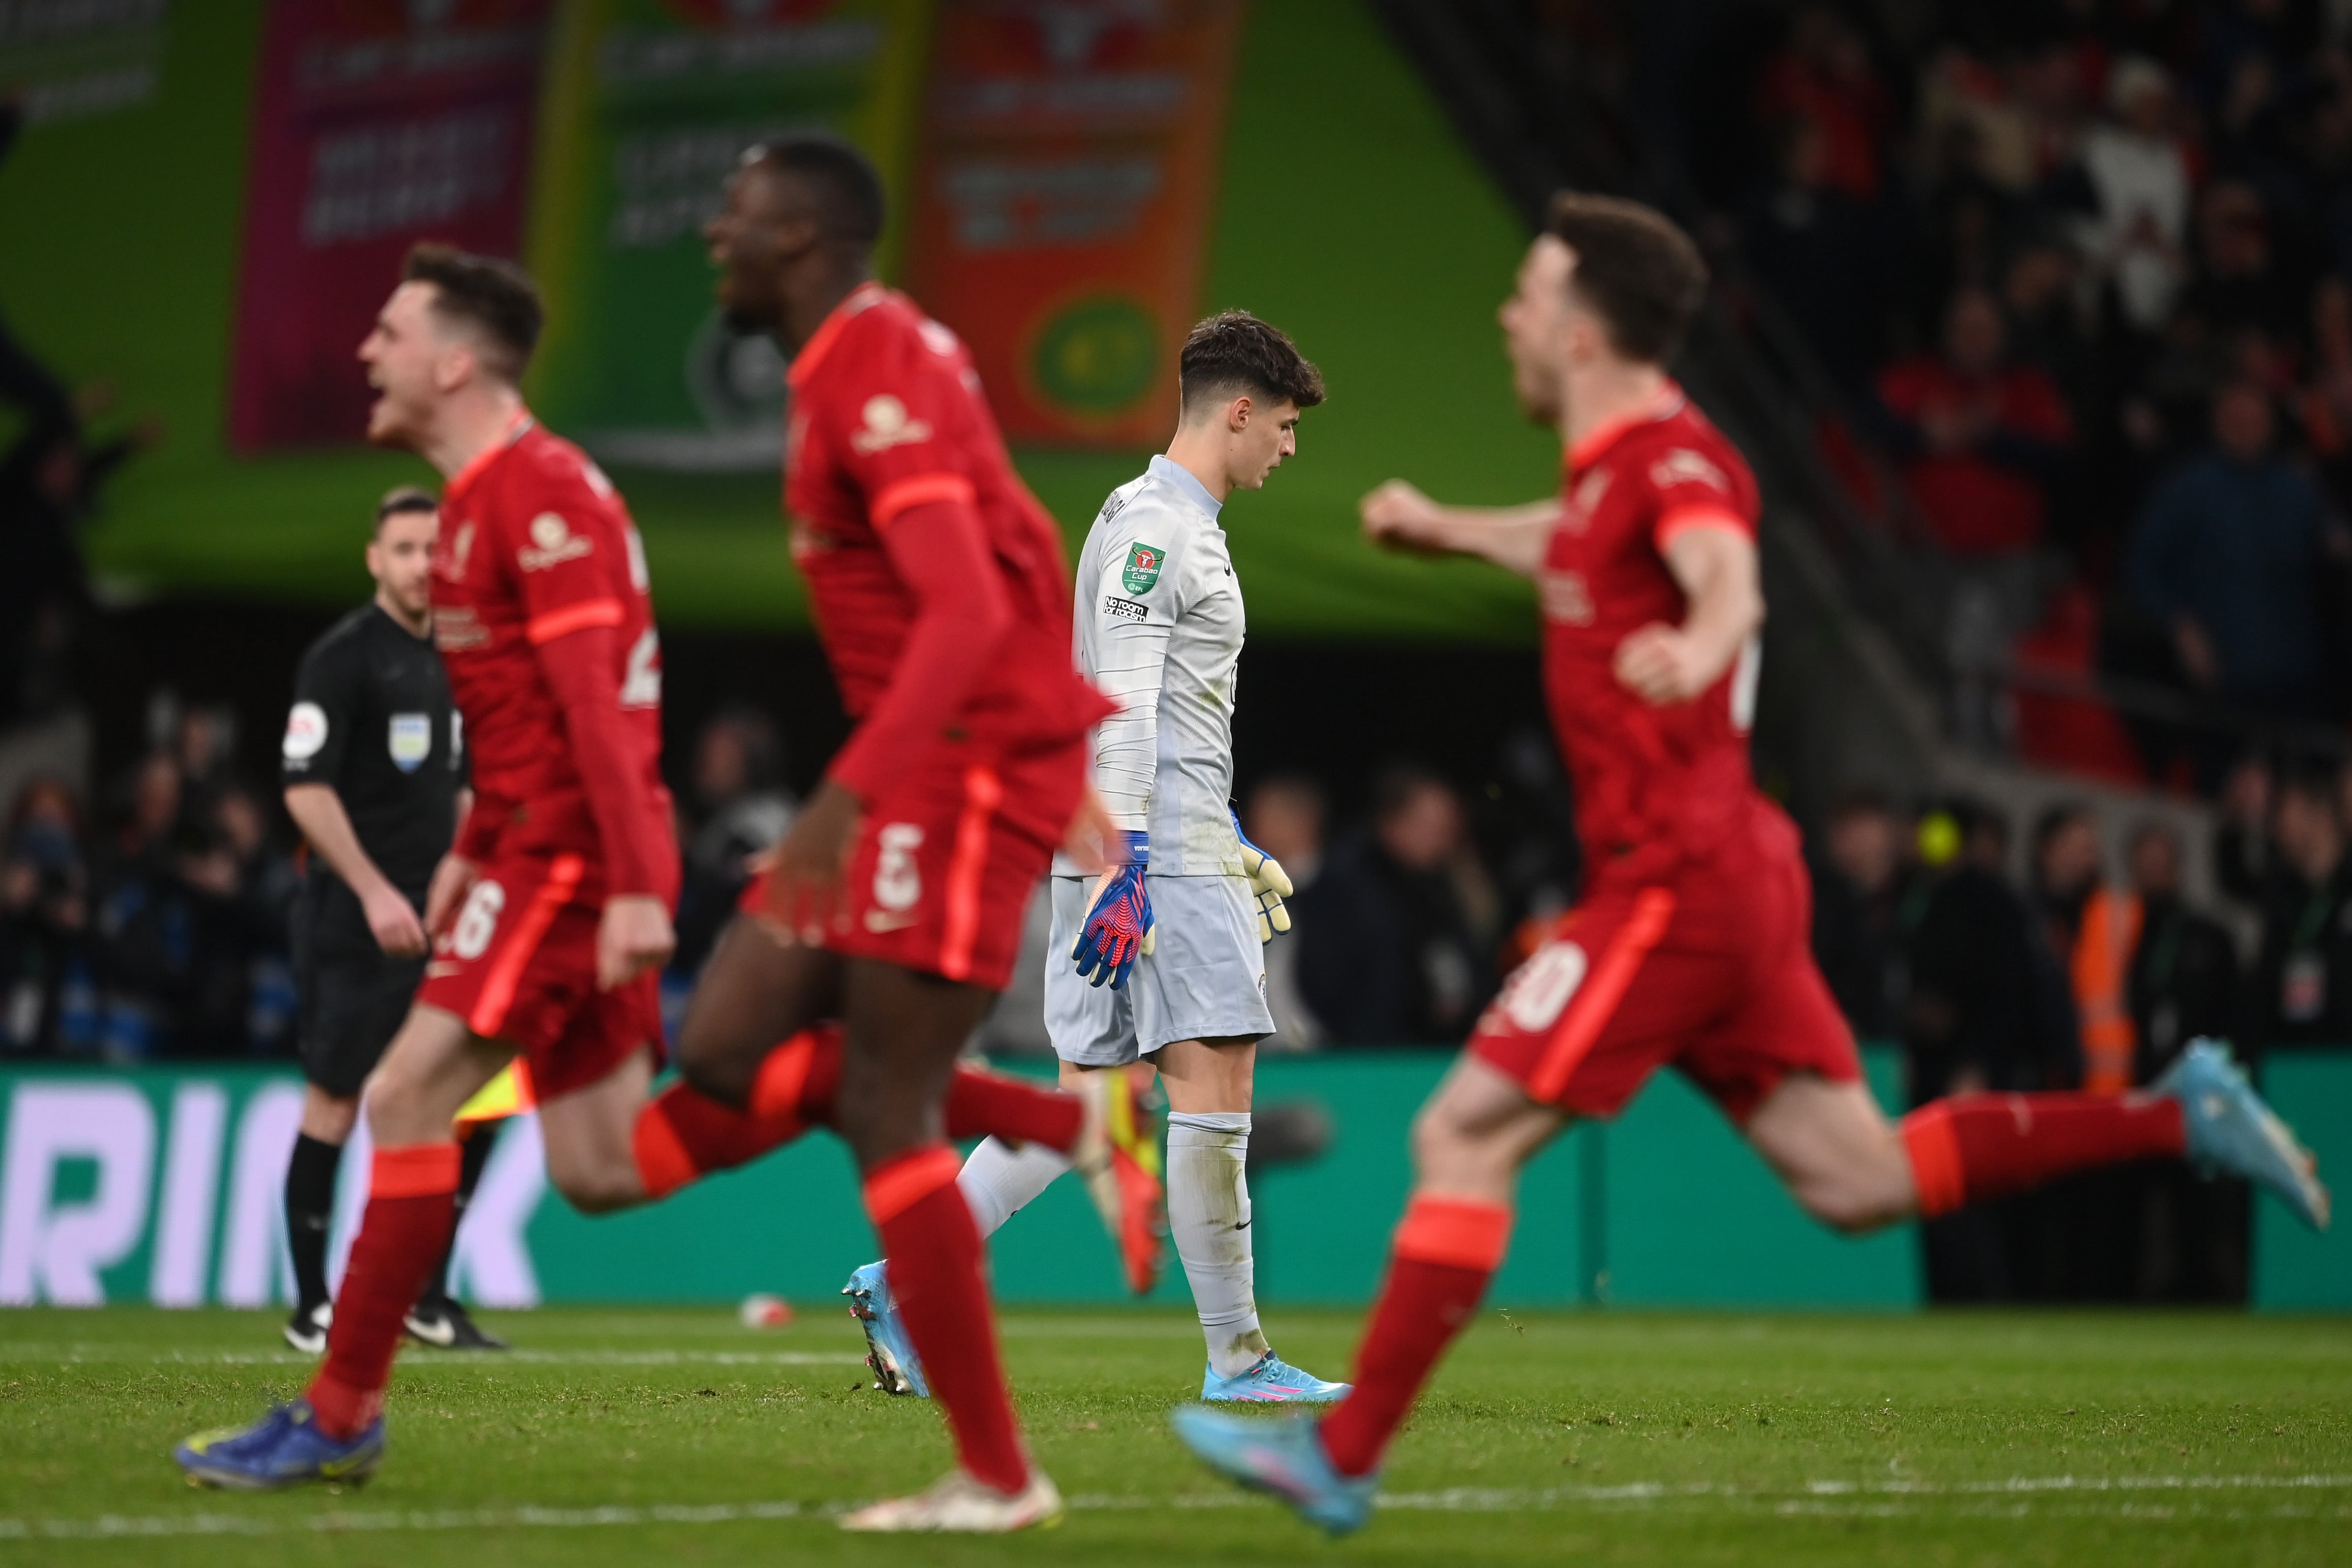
pixel 649 103
pixel 165 1186
pixel 1345 212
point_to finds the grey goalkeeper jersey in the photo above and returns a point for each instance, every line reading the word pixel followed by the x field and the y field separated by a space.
pixel 1159 628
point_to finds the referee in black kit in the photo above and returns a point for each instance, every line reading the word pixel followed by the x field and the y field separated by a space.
pixel 376 778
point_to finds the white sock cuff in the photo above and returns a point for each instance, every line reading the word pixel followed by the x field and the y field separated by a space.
pixel 1221 1126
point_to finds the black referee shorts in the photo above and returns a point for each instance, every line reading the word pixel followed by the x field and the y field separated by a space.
pixel 351 1004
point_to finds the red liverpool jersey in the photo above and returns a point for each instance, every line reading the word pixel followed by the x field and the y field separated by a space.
pixel 888 414
pixel 1657 788
pixel 536 544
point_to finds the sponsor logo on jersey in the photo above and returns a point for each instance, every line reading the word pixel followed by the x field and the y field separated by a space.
pixel 410 740
pixel 306 732
pixel 1585 499
pixel 453 564
pixel 1143 564
pixel 1566 599
pixel 1684 466
pixel 1124 609
pixel 552 542
pixel 455 628
pixel 887 425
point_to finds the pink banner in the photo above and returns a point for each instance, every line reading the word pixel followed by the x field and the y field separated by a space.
pixel 378 123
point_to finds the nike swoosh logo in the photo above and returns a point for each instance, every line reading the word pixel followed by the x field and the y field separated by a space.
pixel 438 1331
pixel 878 921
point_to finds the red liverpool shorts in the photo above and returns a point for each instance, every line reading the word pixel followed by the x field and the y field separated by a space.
pixel 519 965
pixel 1711 973
pixel 946 858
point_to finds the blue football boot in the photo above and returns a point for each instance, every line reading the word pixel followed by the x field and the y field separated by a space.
pixel 2230 1129
pixel 896 1368
pixel 1269 1380
pixel 284 1449
pixel 1284 1458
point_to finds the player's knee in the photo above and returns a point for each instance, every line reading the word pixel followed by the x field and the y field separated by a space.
pixel 1850 1207
pixel 594 1186
pixel 397 1107
pixel 1442 1144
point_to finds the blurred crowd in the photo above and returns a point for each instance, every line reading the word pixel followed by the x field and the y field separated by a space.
pixel 153 924
pixel 2082 270
pixel 2077 974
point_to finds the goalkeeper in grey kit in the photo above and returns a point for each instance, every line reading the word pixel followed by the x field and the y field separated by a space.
pixel 1161 960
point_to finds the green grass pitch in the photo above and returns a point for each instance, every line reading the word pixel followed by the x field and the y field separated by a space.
pixel 677 1437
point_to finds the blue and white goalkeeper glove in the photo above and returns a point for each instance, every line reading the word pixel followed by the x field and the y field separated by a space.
pixel 1268 881
pixel 1118 929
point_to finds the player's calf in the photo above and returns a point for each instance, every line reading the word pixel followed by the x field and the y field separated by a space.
pixel 1839 1157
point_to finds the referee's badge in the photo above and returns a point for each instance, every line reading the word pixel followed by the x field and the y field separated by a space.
pixel 411 740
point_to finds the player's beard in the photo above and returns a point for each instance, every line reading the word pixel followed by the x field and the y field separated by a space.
pixel 383 424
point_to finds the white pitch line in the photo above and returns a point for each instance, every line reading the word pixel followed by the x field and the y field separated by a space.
pixel 1826 1500
pixel 471 1362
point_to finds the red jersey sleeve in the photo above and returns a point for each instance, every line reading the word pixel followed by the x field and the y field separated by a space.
pixel 1695 487
pixel 901 421
pixel 573 554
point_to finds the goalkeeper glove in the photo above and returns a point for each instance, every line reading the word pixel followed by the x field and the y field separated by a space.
pixel 1118 929
pixel 1268 881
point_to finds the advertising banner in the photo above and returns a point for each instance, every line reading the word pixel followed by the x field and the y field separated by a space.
pixel 649 105
pixel 378 123
pixel 164 1186
pixel 72 62
pixel 1062 198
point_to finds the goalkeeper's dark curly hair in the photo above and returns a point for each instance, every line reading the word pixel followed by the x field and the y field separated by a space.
pixel 1232 354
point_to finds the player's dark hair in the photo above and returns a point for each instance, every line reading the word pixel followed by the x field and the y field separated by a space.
pixel 1637 271
pixel 1234 354
pixel 495 299
pixel 850 205
pixel 404 499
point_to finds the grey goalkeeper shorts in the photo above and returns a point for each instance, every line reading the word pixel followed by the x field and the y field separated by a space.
pixel 1204 979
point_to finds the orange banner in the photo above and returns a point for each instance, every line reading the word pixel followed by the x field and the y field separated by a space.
pixel 1062 197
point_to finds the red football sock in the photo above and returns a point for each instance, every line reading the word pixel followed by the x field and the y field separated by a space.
pixel 935 1275
pixel 1014 1109
pixel 412 1209
pixel 683 1135
pixel 1972 1147
pixel 1446 1249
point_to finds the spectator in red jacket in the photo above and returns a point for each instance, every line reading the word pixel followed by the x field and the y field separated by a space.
pixel 1981 438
